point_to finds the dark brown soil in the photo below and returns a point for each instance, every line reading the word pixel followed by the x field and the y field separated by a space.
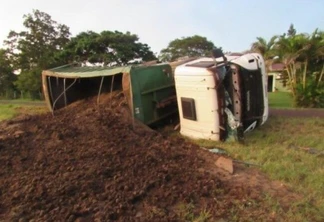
pixel 92 163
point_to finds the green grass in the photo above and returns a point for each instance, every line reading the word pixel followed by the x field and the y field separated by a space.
pixel 280 100
pixel 8 111
pixel 22 101
pixel 278 148
pixel 186 212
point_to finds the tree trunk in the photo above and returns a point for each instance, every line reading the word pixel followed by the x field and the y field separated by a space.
pixel 321 75
pixel 291 78
pixel 304 73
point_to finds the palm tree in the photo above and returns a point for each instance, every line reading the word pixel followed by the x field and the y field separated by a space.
pixel 292 52
pixel 266 49
pixel 298 51
pixel 303 56
pixel 316 54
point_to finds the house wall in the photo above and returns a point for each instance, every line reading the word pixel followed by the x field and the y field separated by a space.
pixel 277 84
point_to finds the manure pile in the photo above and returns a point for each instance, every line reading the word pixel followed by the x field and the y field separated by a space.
pixel 92 163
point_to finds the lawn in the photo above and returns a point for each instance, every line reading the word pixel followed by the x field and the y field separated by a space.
pixel 280 100
pixel 281 147
pixel 8 111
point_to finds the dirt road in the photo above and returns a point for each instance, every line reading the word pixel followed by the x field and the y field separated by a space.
pixel 297 112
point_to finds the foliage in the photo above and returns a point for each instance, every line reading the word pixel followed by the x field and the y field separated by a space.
pixel 6 74
pixel 110 48
pixel 291 31
pixel 265 49
pixel 36 48
pixel 193 46
pixel 38 44
pixel 46 44
pixel 303 56
pixel 310 95
pixel 30 81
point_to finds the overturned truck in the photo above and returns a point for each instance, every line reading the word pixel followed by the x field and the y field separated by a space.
pixel 214 99
pixel 222 98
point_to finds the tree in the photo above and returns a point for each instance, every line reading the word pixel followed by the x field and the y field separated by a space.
pixel 316 54
pixel 109 48
pixel 263 47
pixel 291 31
pixel 30 82
pixel 6 75
pixel 266 49
pixel 36 48
pixel 290 50
pixel 193 46
pixel 303 56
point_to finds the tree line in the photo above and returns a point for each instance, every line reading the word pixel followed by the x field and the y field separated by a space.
pixel 45 44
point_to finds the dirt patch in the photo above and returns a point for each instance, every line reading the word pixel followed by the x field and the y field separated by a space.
pixel 94 163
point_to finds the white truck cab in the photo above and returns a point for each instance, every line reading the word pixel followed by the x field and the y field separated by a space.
pixel 222 98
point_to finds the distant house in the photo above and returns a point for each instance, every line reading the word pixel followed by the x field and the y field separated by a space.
pixel 276 81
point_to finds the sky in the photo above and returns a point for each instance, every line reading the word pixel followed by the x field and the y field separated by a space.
pixel 230 24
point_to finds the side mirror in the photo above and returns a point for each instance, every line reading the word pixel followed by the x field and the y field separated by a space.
pixel 217 53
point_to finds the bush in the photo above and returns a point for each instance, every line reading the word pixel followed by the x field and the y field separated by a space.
pixel 312 96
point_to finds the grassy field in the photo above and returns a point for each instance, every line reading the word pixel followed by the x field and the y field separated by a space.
pixel 8 111
pixel 280 100
pixel 282 148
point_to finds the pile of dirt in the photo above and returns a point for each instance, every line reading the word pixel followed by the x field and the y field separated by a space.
pixel 94 163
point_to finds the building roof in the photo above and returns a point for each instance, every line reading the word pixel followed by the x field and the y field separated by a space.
pixel 277 67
